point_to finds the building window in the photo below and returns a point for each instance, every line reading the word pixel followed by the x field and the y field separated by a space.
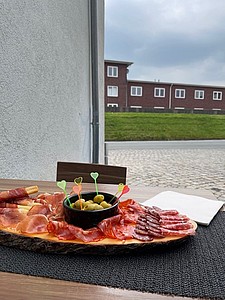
pixel 180 93
pixel 159 92
pixel 199 94
pixel 136 91
pixel 112 91
pixel 112 105
pixel 112 71
pixel 217 95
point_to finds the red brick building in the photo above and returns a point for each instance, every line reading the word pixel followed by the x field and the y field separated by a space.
pixel 126 94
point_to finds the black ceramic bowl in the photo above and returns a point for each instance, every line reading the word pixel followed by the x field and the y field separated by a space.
pixel 89 218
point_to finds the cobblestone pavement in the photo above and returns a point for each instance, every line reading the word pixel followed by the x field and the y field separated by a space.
pixel 175 168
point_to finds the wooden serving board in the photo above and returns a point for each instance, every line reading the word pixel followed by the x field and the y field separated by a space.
pixel 47 243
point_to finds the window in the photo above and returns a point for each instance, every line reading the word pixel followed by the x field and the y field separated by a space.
pixel 159 92
pixel 112 71
pixel 217 95
pixel 199 94
pixel 112 91
pixel 136 91
pixel 112 105
pixel 180 93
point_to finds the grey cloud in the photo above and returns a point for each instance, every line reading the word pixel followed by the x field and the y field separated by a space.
pixel 168 34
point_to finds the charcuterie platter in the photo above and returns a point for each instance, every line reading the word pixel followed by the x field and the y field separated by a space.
pixel 40 223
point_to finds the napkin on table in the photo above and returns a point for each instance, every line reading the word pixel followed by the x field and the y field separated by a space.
pixel 198 209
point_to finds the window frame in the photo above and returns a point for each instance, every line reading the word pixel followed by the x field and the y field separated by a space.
pixel 112 105
pixel 110 71
pixel 217 93
pixel 200 92
pixel 111 94
pixel 136 87
pixel 159 89
pixel 179 91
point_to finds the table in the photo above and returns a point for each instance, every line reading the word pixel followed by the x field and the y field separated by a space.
pixel 16 286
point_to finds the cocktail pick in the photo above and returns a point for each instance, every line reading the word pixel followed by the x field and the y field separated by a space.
pixel 125 190
pixel 62 185
pixel 77 189
pixel 95 175
pixel 78 181
pixel 120 188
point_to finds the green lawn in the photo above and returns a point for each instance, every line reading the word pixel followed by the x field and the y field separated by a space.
pixel 131 126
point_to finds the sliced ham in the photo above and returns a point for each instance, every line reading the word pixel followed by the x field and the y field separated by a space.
pixel 33 224
pixel 55 201
pixel 39 209
pixel 9 217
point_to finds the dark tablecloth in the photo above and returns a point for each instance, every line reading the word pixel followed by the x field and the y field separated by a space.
pixel 195 268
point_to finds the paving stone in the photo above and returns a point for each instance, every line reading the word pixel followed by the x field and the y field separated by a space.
pixel 175 168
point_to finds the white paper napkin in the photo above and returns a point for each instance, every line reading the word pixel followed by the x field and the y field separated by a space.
pixel 199 209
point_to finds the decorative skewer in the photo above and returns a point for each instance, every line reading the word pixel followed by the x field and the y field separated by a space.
pixel 120 188
pixel 62 185
pixel 77 189
pixel 95 175
pixel 125 190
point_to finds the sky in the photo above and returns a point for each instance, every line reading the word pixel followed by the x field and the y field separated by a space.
pixel 176 41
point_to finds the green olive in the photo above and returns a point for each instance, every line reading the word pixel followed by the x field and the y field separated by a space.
pixel 104 204
pixel 89 206
pixel 98 198
pixel 79 203
pixel 98 207
pixel 89 202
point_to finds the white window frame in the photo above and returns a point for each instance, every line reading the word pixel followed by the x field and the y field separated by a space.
pixel 112 105
pixel 217 95
pixel 136 91
pixel 199 94
pixel 112 71
pixel 180 93
pixel 112 91
pixel 159 92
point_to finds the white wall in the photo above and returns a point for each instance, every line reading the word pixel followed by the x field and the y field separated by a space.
pixel 45 86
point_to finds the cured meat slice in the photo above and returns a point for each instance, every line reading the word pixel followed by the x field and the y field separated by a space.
pixel 33 224
pixel 61 230
pixel 7 196
pixel 26 201
pixel 165 211
pixel 39 209
pixel 12 194
pixel 168 232
pixel 107 225
pixel 130 210
pixel 159 223
pixel 8 205
pixel 116 228
pixel 9 217
pixel 177 226
pixel 173 218
pixel 54 201
pixel 90 235
pixel 142 237
pixel 65 231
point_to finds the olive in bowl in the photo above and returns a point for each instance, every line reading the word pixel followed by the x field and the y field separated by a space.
pixel 93 209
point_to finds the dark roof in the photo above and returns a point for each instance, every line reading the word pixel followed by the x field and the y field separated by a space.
pixel 128 63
